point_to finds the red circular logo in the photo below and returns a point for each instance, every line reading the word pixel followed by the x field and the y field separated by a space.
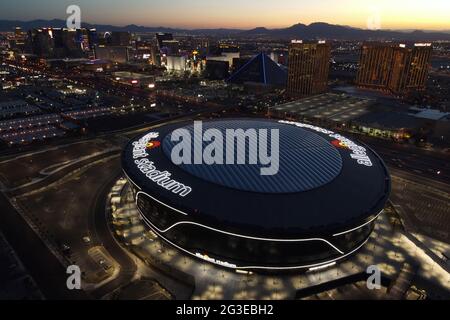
pixel 153 144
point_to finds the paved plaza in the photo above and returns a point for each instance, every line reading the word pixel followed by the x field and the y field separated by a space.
pixel 388 247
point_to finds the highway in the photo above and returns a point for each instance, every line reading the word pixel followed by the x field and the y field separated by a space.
pixel 417 161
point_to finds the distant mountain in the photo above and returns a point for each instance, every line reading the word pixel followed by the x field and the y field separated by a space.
pixel 317 30
pixel 257 31
pixel 321 30
pixel 9 25
pixel 427 31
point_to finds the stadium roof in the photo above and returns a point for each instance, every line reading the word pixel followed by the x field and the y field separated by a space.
pixel 303 154
pixel 322 183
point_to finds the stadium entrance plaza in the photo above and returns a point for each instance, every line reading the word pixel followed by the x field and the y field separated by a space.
pixel 388 247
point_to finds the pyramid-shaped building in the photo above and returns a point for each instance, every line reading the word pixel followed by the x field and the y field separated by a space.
pixel 260 69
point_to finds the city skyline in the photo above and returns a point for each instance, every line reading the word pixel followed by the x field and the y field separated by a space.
pixel 399 15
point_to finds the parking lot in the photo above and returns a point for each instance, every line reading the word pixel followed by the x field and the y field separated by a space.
pixel 63 212
pixel 19 170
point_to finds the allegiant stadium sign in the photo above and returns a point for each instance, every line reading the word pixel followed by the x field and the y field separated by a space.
pixel 358 152
pixel 163 178
pixel 148 168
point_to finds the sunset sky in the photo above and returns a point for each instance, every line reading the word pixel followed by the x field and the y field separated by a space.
pixel 387 14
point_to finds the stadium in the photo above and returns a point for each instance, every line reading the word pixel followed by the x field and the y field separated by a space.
pixel 319 207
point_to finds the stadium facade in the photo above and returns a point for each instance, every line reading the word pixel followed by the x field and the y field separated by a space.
pixel 320 207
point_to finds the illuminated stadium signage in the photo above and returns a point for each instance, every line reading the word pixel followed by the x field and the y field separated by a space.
pixel 324 266
pixel 153 144
pixel 148 168
pixel 212 260
pixel 358 152
pixel 235 204
pixel 140 146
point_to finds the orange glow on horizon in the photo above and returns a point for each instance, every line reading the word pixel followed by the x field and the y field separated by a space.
pixel 246 14
pixel 397 14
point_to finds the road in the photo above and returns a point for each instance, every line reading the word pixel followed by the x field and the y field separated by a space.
pixel 412 159
pixel 424 202
pixel 60 220
pixel 103 233
pixel 420 179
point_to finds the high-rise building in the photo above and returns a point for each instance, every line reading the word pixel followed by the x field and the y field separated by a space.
pixel 67 42
pixel 19 37
pixel 225 52
pixel 410 68
pixel 280 57
pixel 117 54
pixel 120 38
pixel 18 32
pixel 160 37
pixel 82 39
pixel 394 68
pixel 176 63
pixel 201 45
pixel 41 42
pixel 308 68
pixel 93 38
pixel 170 47
pixel 374 66
pixel 57 42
